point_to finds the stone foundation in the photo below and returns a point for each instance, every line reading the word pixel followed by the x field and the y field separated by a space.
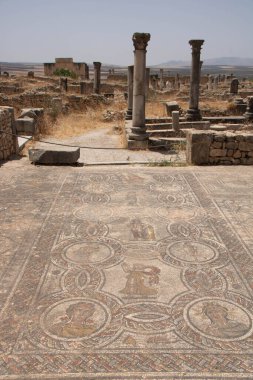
pixel 8 143
pixel 219 148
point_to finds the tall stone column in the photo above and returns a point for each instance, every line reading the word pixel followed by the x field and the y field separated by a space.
pixel 86 71
pixel 193 112
pixel 147 78
pixel 130 83
pixel 96 86
pixel 138 138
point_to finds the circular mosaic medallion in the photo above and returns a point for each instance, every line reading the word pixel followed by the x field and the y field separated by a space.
pixel 222 322
pixel 74 319
pixel 102 252
pixel 88 253
pixel 218 319
pixel 190 253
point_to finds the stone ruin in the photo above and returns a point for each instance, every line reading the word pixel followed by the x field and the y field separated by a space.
pixel 81 69
pixel 138 84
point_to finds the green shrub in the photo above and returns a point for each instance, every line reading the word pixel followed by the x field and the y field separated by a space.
pixel 65 73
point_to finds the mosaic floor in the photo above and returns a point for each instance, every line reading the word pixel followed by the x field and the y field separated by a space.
pixel 126 273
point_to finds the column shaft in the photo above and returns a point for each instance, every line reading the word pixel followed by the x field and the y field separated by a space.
pixel 130 79
pixel 193 111
pixel 96 86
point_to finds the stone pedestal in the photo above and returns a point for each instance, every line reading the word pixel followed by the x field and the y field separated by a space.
pixel 138 138
pixel 86 71
pixel 97 74
pixel 249 110
pixel 234 86
pixel 193 113
pixel 130 79
pixel 175 121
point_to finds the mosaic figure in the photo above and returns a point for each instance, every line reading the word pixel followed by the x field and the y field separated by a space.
pixel 141 280
pixel 77 321
pixel 141 231
pixel 220 324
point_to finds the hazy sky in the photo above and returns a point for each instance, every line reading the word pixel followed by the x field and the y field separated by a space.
pixel 101 30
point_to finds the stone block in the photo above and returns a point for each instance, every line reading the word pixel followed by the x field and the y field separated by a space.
pixel 220 137
pixel 231 145
pixel 249 138
pixel 218 152
pixel 245 146
pixel 54 157
pixel 197 147
pixel 216 144
pixel 137 144
pixel 239 138
pixel 25 125
pixel 237 154
pixel 36 111
pixel 171 106
pixel 230 152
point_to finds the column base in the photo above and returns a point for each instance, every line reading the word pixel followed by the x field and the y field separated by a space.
pixel 193 115
pixel 129 114
pixel 137 144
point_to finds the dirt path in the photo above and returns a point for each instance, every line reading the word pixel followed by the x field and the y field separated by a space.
pixel 107 138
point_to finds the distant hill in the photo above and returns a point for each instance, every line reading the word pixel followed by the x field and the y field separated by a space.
pixel 221 61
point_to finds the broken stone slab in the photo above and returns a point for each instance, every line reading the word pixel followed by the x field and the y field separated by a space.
pixel 54 157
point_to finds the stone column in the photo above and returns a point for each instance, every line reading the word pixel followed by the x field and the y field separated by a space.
pixel 216 81
pixel 193 111
pixel 175 121
pixel 147 81
pixel 249 110
pixel 96 86
pixel 86 71
pixel 138 138
pixel 130 81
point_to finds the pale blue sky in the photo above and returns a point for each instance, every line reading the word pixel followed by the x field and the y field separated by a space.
pixel 101 30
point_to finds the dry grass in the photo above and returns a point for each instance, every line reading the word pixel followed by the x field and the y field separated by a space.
pixel 77 123
pixel 156 108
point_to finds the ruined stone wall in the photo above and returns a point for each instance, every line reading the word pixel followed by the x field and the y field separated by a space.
pixel 80 102
pixel 11 89
pixel 219 148
pixel 37 100
pixel 8 143
pixel 64 63
pixel 88 88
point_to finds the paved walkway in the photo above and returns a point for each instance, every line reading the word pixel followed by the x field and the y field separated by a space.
pixel 126 273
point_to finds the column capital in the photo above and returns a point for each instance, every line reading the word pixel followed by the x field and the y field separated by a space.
pixel 196 45
pixel 97 64
pixel 140 40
